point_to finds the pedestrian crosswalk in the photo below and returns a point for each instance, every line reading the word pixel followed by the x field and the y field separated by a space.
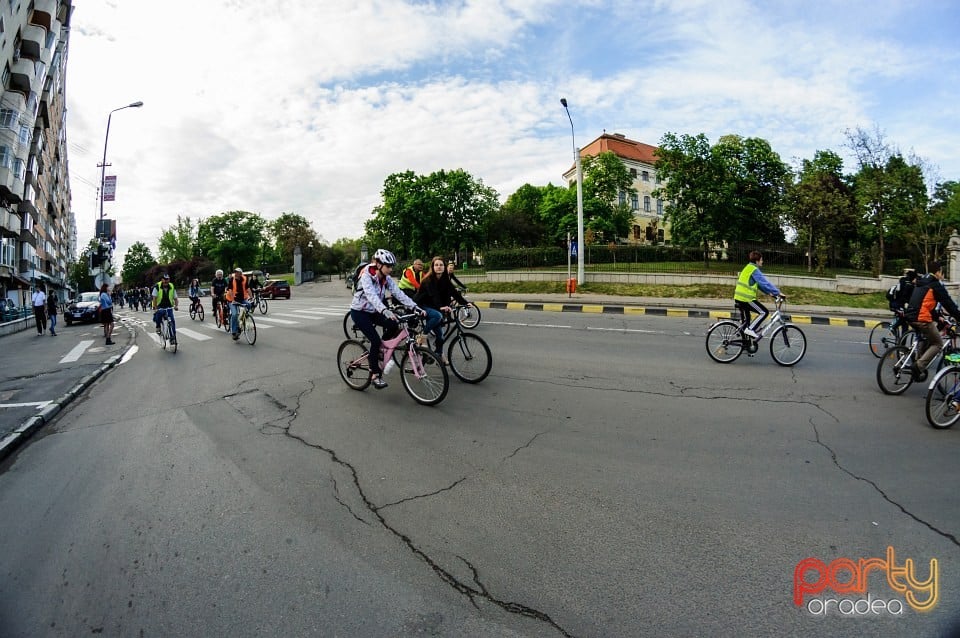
pixel 290 315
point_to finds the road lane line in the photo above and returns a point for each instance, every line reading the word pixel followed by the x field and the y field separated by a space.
pixel 38 404
pixel 193 335
pixel 281 321
pixel 310 317
pixel 77 351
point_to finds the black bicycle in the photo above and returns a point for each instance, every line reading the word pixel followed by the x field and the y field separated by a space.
pixel 468 355
pixel 888 334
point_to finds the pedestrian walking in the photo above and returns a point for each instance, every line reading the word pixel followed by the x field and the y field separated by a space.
pixel 52 311
pixel 40 309
pixel 106 313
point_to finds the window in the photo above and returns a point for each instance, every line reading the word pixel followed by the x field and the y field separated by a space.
pixel 658 179
pixel 633 172
pixel 623 198
pixel 660 207
pixel 646 203
pixel 6 157
pixel 634 205
pixel 646 176
pixel 19 168
pixel 8 118
pixel 24 135
pixel 8 252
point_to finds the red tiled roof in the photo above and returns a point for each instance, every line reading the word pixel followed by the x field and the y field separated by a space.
pixel 622 147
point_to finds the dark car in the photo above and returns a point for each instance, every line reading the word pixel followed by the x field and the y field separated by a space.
pixel 276 288
pixel 85 308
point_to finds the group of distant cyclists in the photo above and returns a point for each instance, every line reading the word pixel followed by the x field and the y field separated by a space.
pixel 430 295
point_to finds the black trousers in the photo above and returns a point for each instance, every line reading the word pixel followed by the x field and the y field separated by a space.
pixel 40 314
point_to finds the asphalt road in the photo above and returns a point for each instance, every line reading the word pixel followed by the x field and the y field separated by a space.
pixel 607 479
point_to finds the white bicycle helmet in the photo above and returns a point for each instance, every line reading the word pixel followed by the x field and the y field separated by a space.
pixel 385 257
pixel 219 273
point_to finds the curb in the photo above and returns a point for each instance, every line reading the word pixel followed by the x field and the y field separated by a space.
pixel 618 309
pixel 15 439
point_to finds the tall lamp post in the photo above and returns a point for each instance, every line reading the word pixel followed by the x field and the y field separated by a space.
pixel 106 138
pixel 576 158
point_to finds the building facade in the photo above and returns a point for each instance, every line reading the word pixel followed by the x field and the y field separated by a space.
pixel 38 232
pixel 648 221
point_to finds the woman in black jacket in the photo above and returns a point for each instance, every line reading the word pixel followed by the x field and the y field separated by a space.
pixel 434 296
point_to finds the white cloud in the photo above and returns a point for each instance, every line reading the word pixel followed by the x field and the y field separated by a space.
pixel 306 107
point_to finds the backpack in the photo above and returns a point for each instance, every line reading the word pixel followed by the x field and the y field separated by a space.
pixel 356 276
pixel 894 292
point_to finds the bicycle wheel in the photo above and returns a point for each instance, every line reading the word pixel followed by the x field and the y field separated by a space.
pixel 249 329
pixel 171 338
pixel 424 378
pixel 164 331
pixel 893 371
pixel 724 342
pixel 788 344
pixel 907 338
pixel 217 316
pixel 262 305
pixel 350 330
pixel 943 398
pixel 353 365
pixel 193 313
pixel 469 357
pixel 200 311
pixel 469 317
pixel 883 336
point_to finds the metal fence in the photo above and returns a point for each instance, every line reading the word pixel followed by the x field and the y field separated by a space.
pixel 725 258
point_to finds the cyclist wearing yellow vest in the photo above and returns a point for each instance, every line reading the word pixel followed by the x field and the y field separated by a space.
pixel 410 280
pixel 745 296
pixel 164 303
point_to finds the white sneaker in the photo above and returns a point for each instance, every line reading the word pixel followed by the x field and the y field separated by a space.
pixel 750 333
pixel 387 369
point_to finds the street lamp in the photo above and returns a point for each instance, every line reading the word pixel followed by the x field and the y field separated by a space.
pixel 106 138
pixel 576 158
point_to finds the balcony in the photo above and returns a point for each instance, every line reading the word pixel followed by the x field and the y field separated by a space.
pixel 11 187
pixel 33 42
pixel 22 74
pixel 9 224
pixel 27 237
pixel 44 11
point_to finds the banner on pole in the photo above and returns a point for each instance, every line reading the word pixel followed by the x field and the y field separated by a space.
pixel 109 188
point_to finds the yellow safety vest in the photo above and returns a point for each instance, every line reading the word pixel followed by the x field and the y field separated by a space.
pixel 745 290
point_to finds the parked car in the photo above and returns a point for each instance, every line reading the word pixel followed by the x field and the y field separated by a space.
pixel 276 288
pixel 85 308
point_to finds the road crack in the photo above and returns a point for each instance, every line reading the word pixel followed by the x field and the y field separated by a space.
pixel 473 592
pixel 833 455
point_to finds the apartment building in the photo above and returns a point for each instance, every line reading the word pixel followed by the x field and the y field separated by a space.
pixel 38 232
pixel 648 221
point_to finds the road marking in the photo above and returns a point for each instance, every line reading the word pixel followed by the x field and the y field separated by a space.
pixel 77 351
pixel 323 313
pixel 310 317
pixel 281 321
pixel 193 335
pixel 38 404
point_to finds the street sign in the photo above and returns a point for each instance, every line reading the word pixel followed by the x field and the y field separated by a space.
pixel 99 279
pixel 109 188
pixel 573 249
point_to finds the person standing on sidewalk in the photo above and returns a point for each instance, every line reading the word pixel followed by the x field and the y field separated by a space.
pixel 39 309
pixel 52 311
pixel 106 313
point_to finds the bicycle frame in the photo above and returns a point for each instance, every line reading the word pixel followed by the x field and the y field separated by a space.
pixel 773 321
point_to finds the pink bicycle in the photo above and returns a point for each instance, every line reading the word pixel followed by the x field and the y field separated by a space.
pixel 423 376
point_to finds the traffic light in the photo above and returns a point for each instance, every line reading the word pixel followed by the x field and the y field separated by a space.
pixel 97 259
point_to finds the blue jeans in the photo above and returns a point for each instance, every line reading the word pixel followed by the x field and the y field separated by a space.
pixel 435 324
pixel 53 324
pixel 235 315
pixel 159 314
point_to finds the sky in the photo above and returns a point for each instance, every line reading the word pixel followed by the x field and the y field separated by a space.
pixel 306 106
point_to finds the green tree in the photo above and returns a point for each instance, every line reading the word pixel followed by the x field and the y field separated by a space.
pixel 692 177
pixel 607 187
pixel 754 187
pixel 889 191
pixel 136 263
pixel 232 239
pixel 80 271
pixel 558 213
pixel 179 242
pixel 517 223
pixel 291 230
pixel 820 206
pixel 437 214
